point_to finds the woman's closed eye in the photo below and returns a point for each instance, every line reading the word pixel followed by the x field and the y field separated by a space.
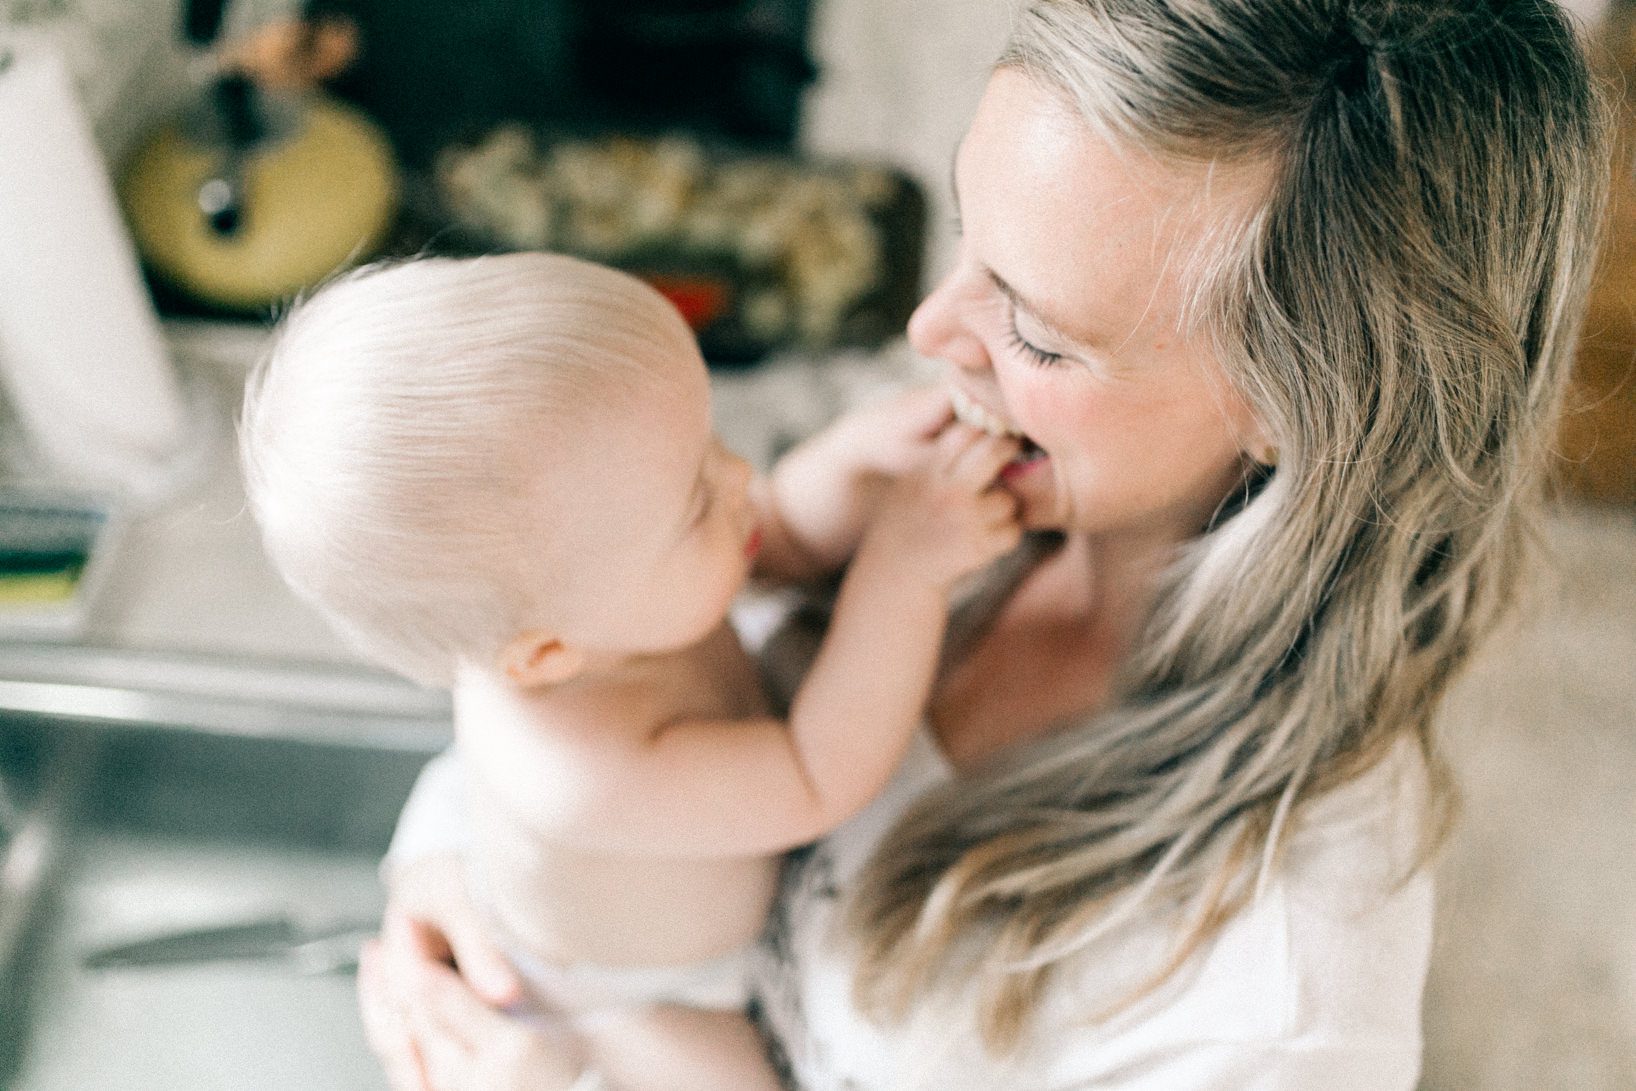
pixel 1026 348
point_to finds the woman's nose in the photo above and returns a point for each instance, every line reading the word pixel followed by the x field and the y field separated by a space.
pixel 939 328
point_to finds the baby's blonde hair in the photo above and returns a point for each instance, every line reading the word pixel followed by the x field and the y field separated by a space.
pixel 396 437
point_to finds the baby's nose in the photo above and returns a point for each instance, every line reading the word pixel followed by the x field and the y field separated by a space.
pixel 733 473
pixel 739 472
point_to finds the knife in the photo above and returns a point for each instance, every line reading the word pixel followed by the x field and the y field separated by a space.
pixel 329 949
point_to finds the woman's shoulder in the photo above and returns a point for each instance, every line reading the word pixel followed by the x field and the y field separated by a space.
pixel 1356 844
pixel 1317 979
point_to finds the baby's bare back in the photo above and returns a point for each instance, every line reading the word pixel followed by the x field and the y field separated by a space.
pixel 570 894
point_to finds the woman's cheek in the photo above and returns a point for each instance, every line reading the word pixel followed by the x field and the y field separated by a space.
pixel 1055 414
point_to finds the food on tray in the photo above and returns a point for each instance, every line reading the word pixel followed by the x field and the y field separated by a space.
pixel 775 249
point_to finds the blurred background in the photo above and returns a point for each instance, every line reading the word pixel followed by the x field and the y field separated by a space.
pixel 197 778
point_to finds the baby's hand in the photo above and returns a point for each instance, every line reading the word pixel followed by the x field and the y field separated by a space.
pixel 948 518
pixel 821 494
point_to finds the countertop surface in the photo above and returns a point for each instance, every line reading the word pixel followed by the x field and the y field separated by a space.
pixel 190 575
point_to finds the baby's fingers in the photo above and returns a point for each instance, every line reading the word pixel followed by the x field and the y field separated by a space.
pixel 998 507
pixel 977 466
pixel 923 412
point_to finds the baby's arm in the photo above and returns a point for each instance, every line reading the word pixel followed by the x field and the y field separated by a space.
pixel 852 718
pixel 750 787
pixel 815 503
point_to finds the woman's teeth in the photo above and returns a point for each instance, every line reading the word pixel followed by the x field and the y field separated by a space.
pixel 969 412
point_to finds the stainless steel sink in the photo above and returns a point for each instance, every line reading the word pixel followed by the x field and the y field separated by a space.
pixel 148 795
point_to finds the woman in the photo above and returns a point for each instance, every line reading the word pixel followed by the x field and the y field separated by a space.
pixel 1281 293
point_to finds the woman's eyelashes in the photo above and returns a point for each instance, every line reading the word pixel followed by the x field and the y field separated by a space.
pixel 1027 349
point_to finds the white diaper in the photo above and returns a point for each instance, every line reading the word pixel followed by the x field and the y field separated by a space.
pixel 581 989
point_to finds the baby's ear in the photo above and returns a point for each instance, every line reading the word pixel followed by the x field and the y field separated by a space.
pixel 536 658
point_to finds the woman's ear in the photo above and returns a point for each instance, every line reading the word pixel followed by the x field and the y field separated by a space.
pixel 536 658
pixel 1258 445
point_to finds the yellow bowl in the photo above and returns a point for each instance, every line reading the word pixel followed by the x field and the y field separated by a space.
pixel 314 203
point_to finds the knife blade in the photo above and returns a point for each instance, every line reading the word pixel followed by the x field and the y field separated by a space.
pixel 274 936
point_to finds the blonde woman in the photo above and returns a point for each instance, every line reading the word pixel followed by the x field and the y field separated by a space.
pixel 1280 295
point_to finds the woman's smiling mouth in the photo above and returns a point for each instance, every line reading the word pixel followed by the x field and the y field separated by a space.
pixel 968 411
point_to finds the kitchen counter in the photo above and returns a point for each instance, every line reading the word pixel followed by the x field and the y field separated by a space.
pixel 191 629
pixel 191 575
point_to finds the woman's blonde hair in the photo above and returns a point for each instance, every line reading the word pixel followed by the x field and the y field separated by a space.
pixel 1400 310
pixel 396 440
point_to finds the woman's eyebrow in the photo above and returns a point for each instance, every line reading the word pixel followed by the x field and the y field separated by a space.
pixel 1057 329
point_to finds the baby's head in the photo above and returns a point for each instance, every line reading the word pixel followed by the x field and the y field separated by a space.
pixel 494 461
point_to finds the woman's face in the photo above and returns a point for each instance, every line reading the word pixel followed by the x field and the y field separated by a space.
pixel 1061 319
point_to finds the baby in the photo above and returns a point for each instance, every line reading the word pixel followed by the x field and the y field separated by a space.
pixel 498 474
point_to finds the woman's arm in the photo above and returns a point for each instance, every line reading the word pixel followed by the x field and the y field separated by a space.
pixel 441 1027
pixel 433 1032
pixel 433 940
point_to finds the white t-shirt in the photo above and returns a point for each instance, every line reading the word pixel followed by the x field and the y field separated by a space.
pixel 1316 985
